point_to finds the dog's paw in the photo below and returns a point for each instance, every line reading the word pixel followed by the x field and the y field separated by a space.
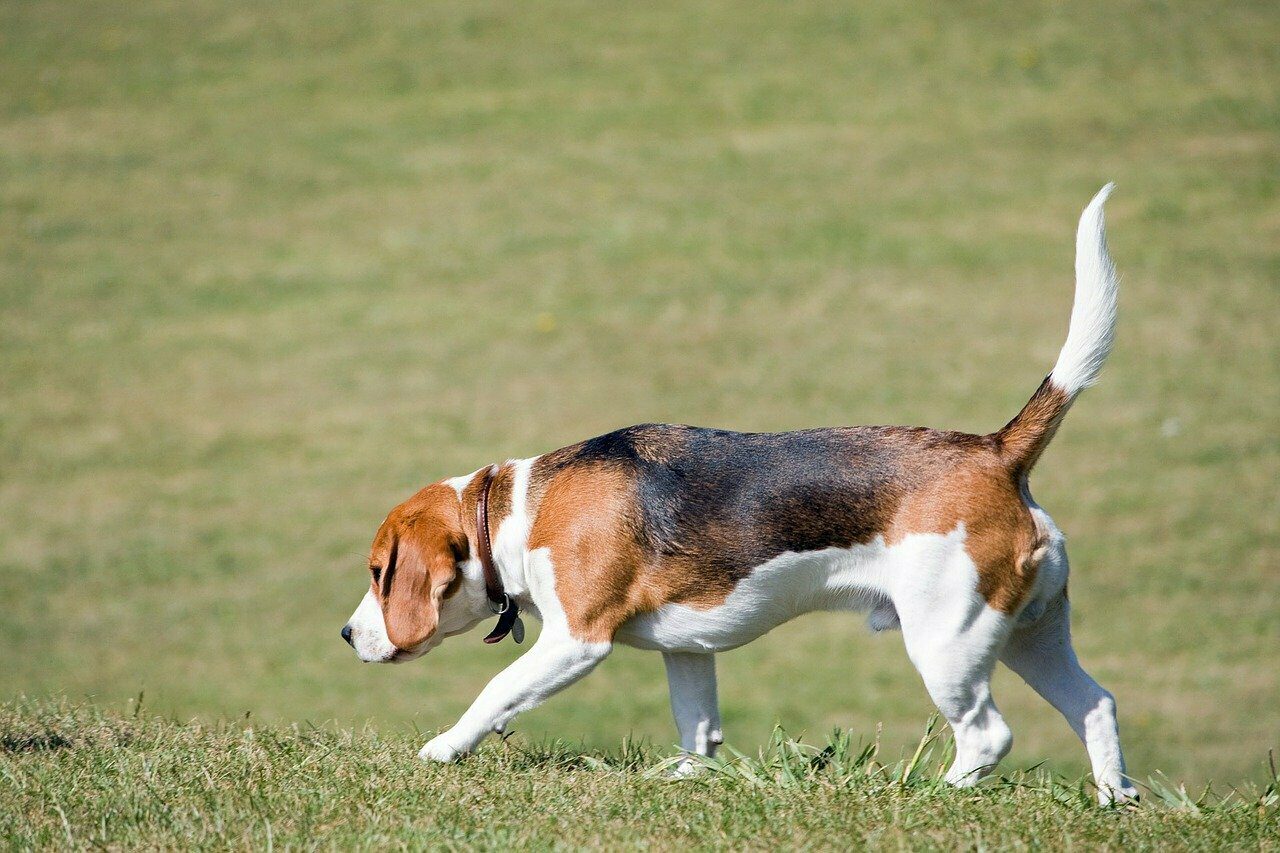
pixel 439 749
pixel 1123 794
pixel 685 769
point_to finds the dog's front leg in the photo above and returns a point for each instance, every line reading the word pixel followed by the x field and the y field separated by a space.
pixel 691 679
pixel 555 661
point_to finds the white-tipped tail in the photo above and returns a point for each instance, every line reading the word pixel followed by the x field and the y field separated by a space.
pixel 1093 326
pixel 1093 316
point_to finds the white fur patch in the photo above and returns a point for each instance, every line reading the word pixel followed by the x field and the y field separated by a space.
pixel 862 577
pixel 459 484
pixel 369 631
pixel 1093 313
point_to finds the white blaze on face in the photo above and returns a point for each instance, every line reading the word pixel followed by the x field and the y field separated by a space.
pixel 369 632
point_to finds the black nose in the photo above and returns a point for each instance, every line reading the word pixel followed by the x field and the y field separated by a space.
pixel 346 635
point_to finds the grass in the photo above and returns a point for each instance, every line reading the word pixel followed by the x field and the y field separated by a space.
pixel 85 777
pixel 264 271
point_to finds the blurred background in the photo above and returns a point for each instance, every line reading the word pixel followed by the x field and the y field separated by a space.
pixel 266 269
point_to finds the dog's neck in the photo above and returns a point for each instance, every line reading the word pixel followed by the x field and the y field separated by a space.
pixel 508 538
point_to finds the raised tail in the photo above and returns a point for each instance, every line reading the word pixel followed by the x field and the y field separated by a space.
pixel 1093 326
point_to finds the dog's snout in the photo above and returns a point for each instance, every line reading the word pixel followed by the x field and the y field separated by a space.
pixel 346 635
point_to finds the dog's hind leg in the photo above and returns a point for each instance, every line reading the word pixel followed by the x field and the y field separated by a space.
pixel 692 682
pixel 953 637
pixel 1041 653
pixel 957 673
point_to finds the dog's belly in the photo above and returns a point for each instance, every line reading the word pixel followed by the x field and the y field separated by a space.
pixel 785 587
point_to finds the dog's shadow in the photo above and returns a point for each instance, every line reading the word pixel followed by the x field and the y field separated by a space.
pixel 634 756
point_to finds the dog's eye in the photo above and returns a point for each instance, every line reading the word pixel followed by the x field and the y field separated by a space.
pixel 376 571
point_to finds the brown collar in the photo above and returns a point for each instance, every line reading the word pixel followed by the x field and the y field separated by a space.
pixel 499 602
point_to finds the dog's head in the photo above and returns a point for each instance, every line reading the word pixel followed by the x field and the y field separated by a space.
pixel 417 593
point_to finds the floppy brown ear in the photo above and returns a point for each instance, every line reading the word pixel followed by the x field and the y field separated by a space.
pixel 421 567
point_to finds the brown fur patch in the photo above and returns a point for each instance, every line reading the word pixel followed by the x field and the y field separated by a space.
pixel 500 498
pixel 544 468
pixel 586 518
pixel 417 550
pixel 1001 536
pixel 1024 438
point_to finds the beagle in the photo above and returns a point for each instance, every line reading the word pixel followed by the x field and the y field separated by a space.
pixel 693 541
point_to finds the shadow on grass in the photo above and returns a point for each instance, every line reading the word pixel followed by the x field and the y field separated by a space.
pixel 850 763
pixel 37 742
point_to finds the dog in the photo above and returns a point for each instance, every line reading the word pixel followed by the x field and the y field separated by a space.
pixel 693 541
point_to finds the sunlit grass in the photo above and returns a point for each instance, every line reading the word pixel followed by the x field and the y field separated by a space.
pixel 84 777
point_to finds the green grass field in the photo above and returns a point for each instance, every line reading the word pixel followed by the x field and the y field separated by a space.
pixel 144 782
pixel 267 269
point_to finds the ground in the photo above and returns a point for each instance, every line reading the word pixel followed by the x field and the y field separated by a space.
pixel 265 270
pixel 78 776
